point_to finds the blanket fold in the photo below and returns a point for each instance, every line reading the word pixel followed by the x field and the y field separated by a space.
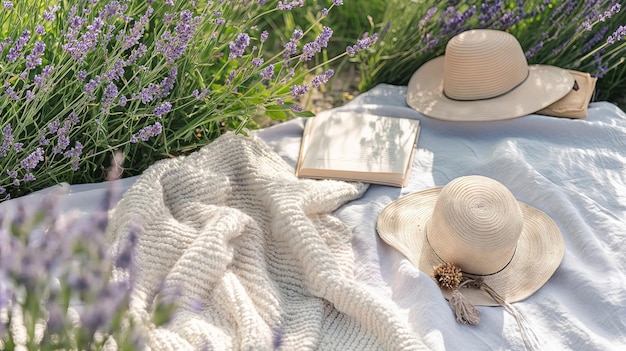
pixel 253 255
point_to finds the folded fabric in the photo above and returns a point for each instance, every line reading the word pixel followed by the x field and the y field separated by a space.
pixel 575 103
pixel 251 253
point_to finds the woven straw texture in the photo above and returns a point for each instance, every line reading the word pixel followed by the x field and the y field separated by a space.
pixel 252 254
pixel 473 227
pixel 484 76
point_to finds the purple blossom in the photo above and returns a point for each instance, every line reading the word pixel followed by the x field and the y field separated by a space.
pixel 137 31
pixel 238 47
pixel 137 53
pixel 362 44
pixel 147 132
pixel 18 147
pixel 532 51
pixel 257 61
pixel 310 49
pixel 264 36
pixel 91 87
pixel 53 126
pixel 618 35
pixel 29 177
pixel 74 154
pixel 48 14
pixel 162 109
pixel 81 75
pixel 202 94
pixel 110 93
pixel 169 2
pixel 167 84
pixel 31 161
pixel 173 45
pixel 298 90
pixel 261 2
pixel 148 93
pixel 289 5
pixel 322 78
pixel 595 39
pixel 7 139
pixel 337 2
pixel 30 95
pixel 40 79
pixel 296 108
pixel 324 12
pixel 7 5
pixel 16 50
pixel 429 15
pixel 39 29
pixel 115 73
pixel 34 58
pixel 11 94
pixel 79 48
pixel 267 72
pixel 12 173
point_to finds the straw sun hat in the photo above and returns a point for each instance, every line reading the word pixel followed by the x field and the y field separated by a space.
pixel 484 76
pixel 475 223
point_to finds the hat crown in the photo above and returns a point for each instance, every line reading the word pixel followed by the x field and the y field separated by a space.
pixel 476 224
pixel 482 64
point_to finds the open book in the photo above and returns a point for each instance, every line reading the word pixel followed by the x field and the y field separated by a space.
pixel 357 146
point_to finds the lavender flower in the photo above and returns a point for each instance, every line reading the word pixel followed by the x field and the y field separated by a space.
pixel 324 12
pixel 11 94
pixel 48 14
pixel 29 177
pixel 267 72
pixel 310 49
pixel 173 45
pixel 74 154
pixel 91 87
pixel 7 5
pixel 289 5
pixel 322 78
pixel 7 139
pixel 337 2
pixel 618 35
pixel 532 51
pixel 31 161
pixel 237 48
pixel 298 90
pixel 362 44
pixel 429 15
pixel 202 94
pixel 110 93
pixel 162 109
pixel 147 132
pixel 137 31
pixel 257 61
pixel 16 50
pixel 264 36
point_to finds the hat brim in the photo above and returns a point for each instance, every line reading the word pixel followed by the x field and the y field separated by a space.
pixel 539 252
pixel 544 85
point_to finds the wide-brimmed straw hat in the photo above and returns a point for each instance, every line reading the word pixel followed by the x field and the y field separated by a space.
pixel 476 224
pixel 484 76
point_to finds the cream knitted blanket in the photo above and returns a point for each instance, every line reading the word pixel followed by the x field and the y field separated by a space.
pixel 253 254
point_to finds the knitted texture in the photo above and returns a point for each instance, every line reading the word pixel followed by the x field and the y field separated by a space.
pixel 253 255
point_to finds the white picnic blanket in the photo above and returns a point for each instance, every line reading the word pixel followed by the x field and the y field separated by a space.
pixel 574 170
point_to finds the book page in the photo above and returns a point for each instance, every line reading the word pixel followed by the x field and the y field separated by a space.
pixel 359 142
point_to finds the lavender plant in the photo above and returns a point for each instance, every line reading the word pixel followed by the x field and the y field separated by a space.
pixel 151 78
pixel 61 287
pixel 586 36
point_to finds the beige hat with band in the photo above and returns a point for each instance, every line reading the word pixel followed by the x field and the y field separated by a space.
pixel 475 223
pixel 484 76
